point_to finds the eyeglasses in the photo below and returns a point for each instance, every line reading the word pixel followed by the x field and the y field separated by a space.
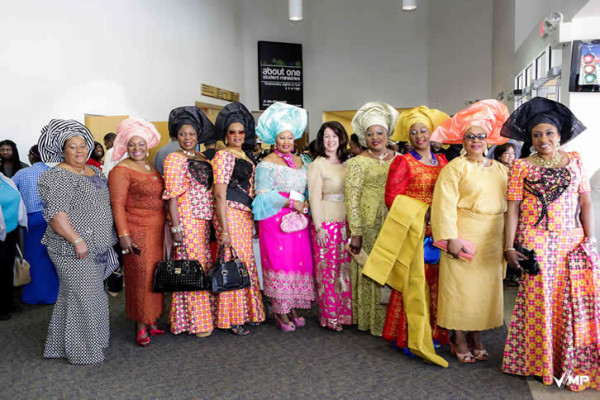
pixel 471 137
pixel 232 132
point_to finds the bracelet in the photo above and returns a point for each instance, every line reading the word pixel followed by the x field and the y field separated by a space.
pixel 77 241
pixel 124 234
pixel 175 229
pixel 509 249
pixel 225 233
pixel 592 239
pixel 291 203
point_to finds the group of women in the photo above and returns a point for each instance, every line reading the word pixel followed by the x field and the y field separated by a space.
pixel 336 230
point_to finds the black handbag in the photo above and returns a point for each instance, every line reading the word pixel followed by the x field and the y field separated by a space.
pixel 179 276
pixel 531 265
pixel 113 285
pixel 229 275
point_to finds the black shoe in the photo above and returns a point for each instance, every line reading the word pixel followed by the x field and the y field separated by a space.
pixel 4 317
pixel 15 308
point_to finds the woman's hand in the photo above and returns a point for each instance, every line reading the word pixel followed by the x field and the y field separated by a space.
pixel 322 238
pixel 127 245
pixel 177 238
pixel 225 240
pixel 455 247
pixel 513 257
pixel 356 244
pixel 81 250
pixel 299 206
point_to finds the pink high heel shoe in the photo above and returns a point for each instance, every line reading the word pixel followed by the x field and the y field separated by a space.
pixel 299 322
pixel 289 327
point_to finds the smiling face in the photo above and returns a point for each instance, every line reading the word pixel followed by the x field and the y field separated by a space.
pixel 376 138
pixel 419 135
pixel 508 156
pixel 545 139
pixel 187 137
pixel 98 151
pixel 137 148
pixel 331 141
pixel 284 142
pixel 475 141
pixel 236 135
pixel 75 152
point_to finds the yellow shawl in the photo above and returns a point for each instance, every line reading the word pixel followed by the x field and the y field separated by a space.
pixel 397 260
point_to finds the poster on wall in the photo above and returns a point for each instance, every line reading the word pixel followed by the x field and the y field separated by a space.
pixel 279 74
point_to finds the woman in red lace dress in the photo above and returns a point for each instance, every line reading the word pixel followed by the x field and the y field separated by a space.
pixel 414 175
pixel 136 189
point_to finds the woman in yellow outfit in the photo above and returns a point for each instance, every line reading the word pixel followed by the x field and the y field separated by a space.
pixel 469 203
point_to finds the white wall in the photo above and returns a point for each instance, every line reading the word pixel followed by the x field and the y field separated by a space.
pixel 139 57
pixel 529 14
pixel 460 53
pixel 353 51
pixel 67 58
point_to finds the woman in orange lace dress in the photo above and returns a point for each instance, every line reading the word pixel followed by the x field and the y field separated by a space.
pixel 136 197
pixel 414 175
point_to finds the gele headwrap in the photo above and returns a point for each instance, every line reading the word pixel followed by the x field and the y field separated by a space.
pixel 281 117
pixel 191 115
pixel 488 114
pixel 236 112
pixel 374 113
pixel 541 110
pixel 134 127
pixel 56 133
pixel 430 117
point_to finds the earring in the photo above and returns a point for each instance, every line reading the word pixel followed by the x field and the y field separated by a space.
pixel 485 152
pixel 463 152
pixel 147 154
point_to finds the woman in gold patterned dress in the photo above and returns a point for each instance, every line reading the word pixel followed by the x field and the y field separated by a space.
pixel 365 202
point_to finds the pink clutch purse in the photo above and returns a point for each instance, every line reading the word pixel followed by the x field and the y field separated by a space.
pixel 293 222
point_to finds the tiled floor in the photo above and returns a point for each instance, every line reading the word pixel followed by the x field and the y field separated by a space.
pixel 540 391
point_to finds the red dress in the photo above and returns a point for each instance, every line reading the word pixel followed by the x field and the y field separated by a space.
pixel 412 178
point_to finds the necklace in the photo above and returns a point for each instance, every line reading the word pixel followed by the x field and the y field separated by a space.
pixel 551 163
pixel 238 153
pixel 188 153
pixel 287 157
pixel 480 163
pixel 381 157
pixel 419 157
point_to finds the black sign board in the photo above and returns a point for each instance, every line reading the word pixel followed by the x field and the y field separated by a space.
pixel 279 74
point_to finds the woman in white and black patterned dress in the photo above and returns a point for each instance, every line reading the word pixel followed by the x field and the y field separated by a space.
pixel 79 237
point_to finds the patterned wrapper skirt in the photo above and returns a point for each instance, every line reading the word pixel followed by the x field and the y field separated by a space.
pixel 192 312
pixel 543 337
pixel 332 274
pixel 238 307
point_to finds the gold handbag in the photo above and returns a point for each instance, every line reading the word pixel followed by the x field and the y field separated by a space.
pixel 21 275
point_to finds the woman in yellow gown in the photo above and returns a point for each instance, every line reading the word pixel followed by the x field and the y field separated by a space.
pixel 469 203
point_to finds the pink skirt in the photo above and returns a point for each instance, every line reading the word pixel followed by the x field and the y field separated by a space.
pixel 287 265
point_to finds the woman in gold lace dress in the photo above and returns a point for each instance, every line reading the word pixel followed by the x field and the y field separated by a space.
pixel 365 202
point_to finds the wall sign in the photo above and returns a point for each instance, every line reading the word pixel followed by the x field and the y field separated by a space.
pixel 279 74
pixel 213 91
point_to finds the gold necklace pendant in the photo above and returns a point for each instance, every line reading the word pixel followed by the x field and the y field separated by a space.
pixel 551 163
pixel 238 153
